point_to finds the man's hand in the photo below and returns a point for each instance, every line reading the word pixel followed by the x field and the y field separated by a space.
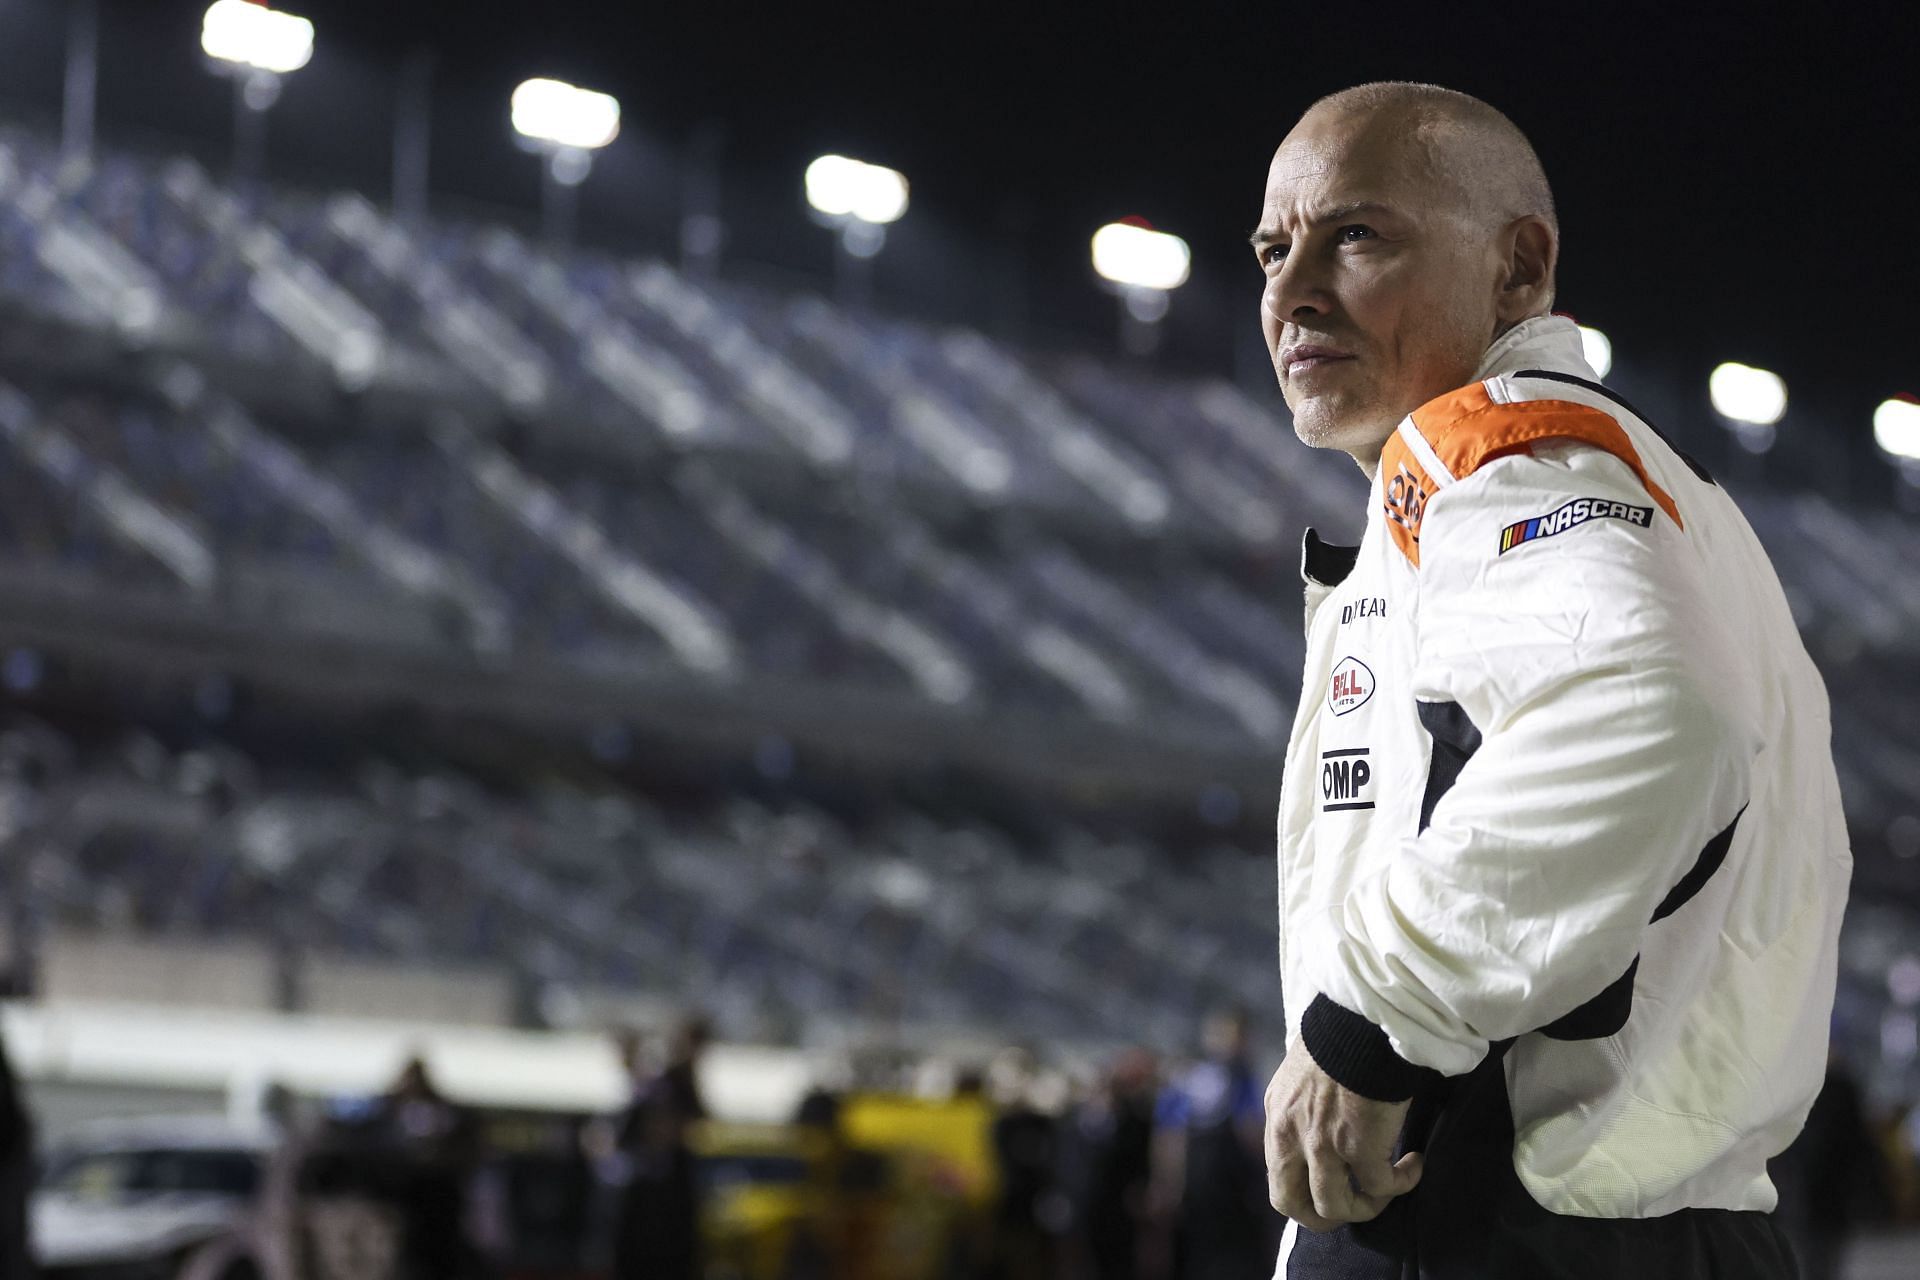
pixel 1329 1150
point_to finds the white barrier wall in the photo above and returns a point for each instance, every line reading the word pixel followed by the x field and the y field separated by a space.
pixel 209 975
pixel 239 1053
pixel 339 987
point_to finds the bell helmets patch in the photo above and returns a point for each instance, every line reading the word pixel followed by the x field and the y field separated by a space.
pixel 1350 687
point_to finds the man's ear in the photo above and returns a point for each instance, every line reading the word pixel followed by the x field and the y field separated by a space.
pixel 1532 251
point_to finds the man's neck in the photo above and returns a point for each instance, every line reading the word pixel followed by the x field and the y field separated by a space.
pixel 1369 461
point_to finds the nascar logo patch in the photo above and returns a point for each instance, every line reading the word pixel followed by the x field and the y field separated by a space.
pixel 1572 515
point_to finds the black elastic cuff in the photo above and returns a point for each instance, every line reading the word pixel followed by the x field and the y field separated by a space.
pixel 1357 1055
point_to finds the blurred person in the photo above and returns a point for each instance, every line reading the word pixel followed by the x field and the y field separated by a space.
pixel 438 1142
pixel 1209 1180
pixel 600 1146
pixel 16 1174
pixel 1106 1164
pixel 279 1107
pixel 1561 855
pixel 971 1249
pixel 656 1229
pixel 1024 1148
pixel 1829 1176
pixel 1899 1161
pixel 819 1109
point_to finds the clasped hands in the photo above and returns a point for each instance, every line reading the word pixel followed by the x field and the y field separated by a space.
pixel 1329 1150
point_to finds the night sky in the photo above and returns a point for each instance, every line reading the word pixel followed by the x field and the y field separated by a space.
pixel 1731 186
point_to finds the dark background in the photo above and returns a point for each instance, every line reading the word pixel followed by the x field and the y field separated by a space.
pixel 1734 183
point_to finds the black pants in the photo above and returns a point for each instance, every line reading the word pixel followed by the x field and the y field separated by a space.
pixel 1472 1219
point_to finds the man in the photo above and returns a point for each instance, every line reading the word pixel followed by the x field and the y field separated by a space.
pixel 1561 853
pixel 437 1143
pixel 1106 1168
pixel 657 1222
pixel 1206 1158
pixel 1025 1140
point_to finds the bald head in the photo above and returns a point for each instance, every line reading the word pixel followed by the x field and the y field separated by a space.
pixel 1474 152
pixel 1405 227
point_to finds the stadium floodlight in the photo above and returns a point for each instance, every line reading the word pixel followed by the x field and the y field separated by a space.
pixel 1144 266
pixel 254 46
pixel 566 125
pixel 1132 254
pixel 559 114
pixel 841 187
pixel 252 35
pixel 1746 394
pixel 1896 427
pixel 1598 350
pixel 857 200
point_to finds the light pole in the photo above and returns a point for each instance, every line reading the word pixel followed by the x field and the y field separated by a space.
pixel 565 125
pixel 857 200
pixel 413 137
pixel 82 80
pixel 1144 267
pixel 254 46
pixel 702 234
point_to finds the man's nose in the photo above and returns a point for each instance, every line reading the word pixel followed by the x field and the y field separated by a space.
pixel 1298 291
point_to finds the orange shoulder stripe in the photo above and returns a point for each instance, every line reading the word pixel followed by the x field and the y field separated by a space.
pixel 1466 429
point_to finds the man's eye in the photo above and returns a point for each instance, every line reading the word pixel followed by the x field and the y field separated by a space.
pixel 1274 253
pixel 1355 231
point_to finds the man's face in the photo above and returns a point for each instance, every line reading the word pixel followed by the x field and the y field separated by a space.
pixel 1380 287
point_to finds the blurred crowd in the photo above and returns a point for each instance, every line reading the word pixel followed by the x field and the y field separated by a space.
pixel 1141 1170
pixel 1141 1173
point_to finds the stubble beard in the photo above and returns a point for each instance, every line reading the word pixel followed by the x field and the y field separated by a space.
pixel 1359 430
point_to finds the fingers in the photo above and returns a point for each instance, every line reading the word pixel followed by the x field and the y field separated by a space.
pixel 1327 1150
pixel 1337 1195
pixel 1313 1186
pixel 1375 1177
pixel 1368 1186
pixel 1314 1222
pixel 1288 1171
pixel 1327 1178
pixel 1293 1197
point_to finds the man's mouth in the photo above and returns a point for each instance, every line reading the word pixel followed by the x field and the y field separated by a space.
pixel 1303 356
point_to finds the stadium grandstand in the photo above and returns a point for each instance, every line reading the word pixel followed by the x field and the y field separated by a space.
pixel 380 464
pixel 415 594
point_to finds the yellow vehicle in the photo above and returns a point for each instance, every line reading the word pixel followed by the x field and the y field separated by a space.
pixel 769 1201
pixel 893 1194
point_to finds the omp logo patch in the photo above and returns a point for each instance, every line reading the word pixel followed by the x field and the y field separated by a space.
pixel 1569 516
pixel 1350 687
pixel 1345 776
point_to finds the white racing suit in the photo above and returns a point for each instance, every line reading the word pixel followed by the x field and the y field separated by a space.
pixel 1561 854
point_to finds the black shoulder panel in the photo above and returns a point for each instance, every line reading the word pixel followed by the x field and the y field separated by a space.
pixel 1574 380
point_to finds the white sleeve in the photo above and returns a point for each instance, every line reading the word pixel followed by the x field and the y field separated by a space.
pixel 1604 758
